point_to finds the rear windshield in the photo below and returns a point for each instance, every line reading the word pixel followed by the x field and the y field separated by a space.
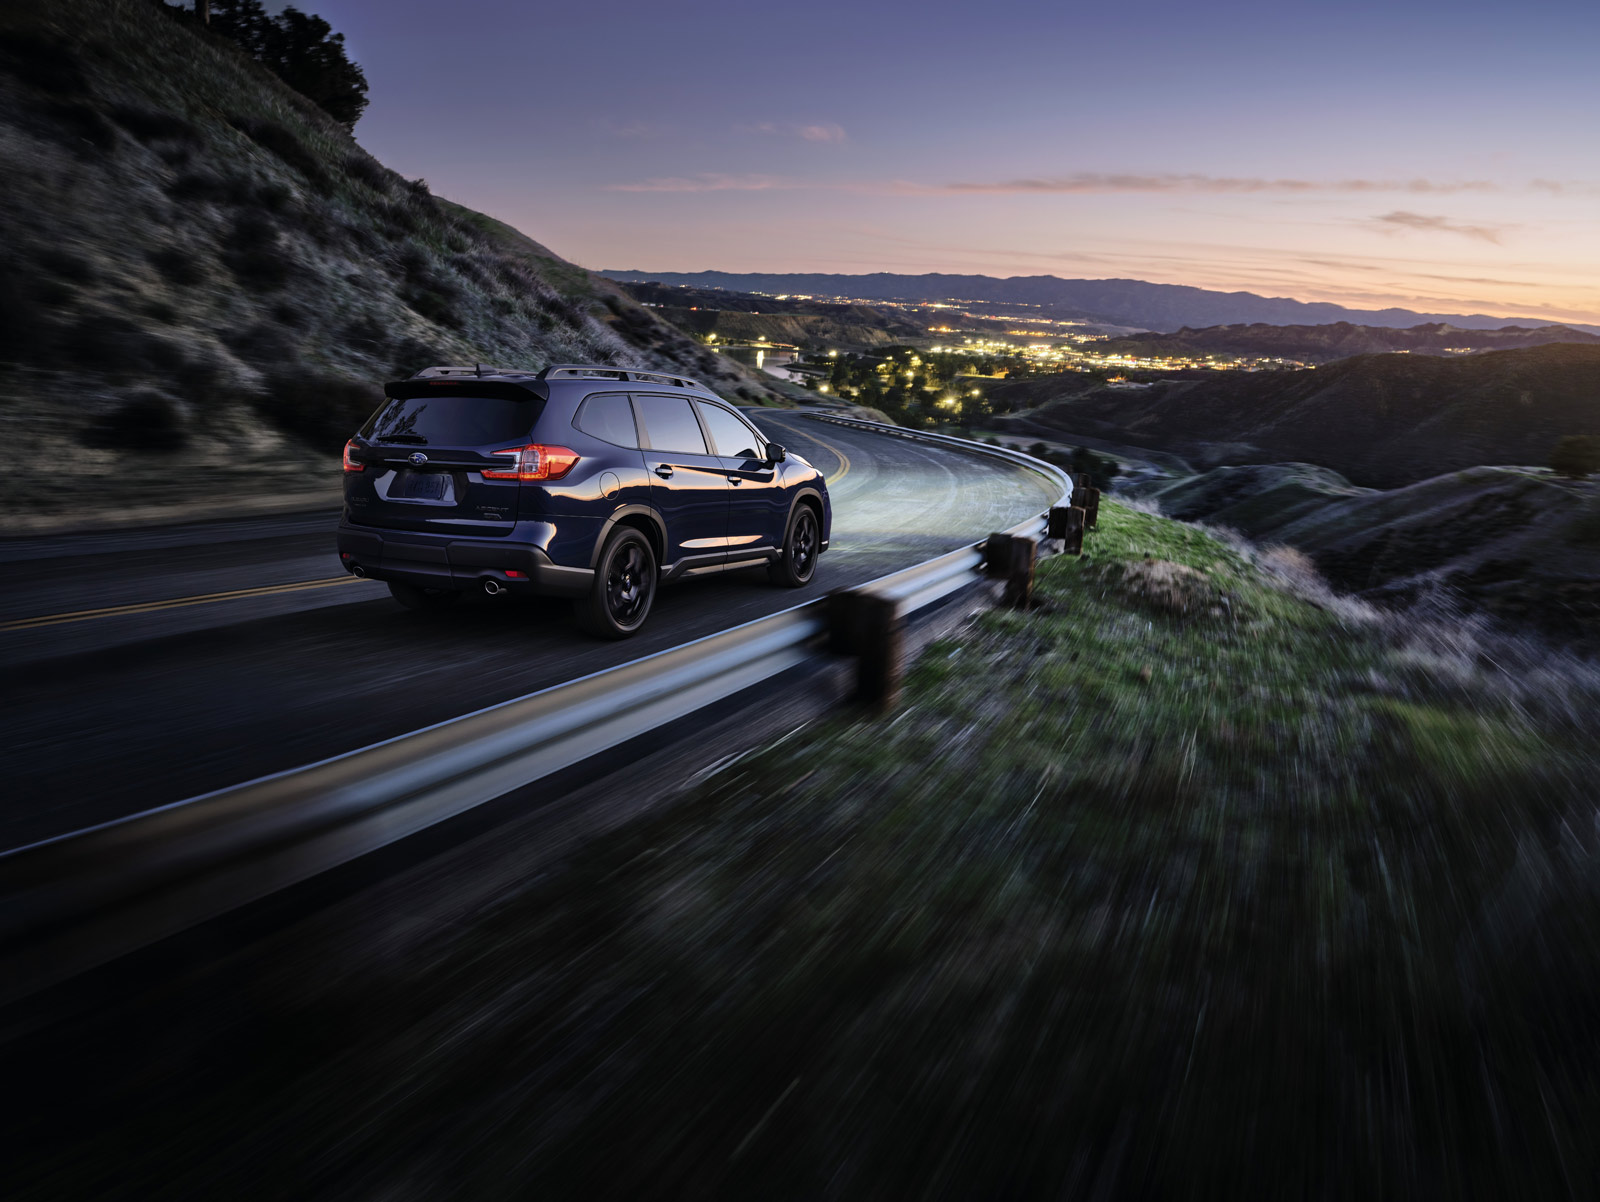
pixel 452 421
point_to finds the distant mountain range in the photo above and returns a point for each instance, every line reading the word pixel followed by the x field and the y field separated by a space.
pixel 1323 344
pixel 1135 303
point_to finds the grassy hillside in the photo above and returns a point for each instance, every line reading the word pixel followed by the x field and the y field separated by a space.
pixel 1325 343
pixel 205 281
pixel 1193 882
pixel 1380 420
pixel 1521 543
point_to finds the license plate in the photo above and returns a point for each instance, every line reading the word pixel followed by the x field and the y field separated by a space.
pixel 421 486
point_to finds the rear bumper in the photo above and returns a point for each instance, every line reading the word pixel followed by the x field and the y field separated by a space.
pixel 430 561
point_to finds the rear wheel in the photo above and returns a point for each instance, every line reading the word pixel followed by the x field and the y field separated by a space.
pixel 624 587
pixel 425 599
pixel 798 562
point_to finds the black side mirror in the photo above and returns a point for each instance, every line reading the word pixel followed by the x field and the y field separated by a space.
pixel 775 453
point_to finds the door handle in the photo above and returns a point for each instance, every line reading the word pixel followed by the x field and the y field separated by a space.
pixel 664 470
pixel 734 479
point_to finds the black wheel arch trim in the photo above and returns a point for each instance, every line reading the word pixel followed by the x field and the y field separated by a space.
pixel 627 511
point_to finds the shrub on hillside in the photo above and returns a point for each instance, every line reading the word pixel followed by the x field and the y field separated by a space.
pixel 365 169
pixel 322 409
pixel 109 342
pixel 46 63
pixel 81 126
pixel 1577 455
pixel 177 266
pixel 153 125
pixel 281 141
pixel 146 421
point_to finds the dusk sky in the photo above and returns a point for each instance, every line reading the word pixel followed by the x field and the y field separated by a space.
pixel 1437 156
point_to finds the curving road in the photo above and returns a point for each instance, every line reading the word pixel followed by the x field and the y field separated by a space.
pixel 139 668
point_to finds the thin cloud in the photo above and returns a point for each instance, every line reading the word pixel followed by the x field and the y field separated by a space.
pixel 1401 219
pixel 818 131
pixel 708 182
pixel 1089 182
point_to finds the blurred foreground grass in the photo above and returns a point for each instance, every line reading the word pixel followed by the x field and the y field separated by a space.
pixel 1196 881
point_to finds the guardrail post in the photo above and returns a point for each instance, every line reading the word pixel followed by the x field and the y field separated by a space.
pixel 1087 499
pixel 1066 523
pixel 871 628
pixel 1011 558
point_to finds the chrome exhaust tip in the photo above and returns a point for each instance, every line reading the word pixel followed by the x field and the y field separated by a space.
pixel 493 587
pixel 358 571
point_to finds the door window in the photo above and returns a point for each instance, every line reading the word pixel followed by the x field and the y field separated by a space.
pixel 669 425
pixel 609 416
pixel 732 437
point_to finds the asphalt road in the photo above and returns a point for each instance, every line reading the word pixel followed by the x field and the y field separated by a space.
pixel 142 667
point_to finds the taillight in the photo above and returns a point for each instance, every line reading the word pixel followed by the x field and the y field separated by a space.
pixel 536 462
pixel 350 465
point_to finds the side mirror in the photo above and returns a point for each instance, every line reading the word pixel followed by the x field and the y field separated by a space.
pixel 775 453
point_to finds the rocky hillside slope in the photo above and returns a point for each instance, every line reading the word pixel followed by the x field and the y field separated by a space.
pixel 205 280
pixel 1382 420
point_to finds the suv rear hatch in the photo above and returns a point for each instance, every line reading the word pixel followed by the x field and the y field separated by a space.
pixel 424 453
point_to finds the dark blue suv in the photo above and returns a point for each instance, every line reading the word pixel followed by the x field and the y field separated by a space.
pixel 595 483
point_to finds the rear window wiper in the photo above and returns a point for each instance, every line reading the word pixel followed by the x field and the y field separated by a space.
pixel 415 438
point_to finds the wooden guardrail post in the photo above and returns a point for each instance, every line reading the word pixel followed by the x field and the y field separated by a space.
pixel 1087 499
pixel 871 628
pixel 1066 523
pixel 1011 558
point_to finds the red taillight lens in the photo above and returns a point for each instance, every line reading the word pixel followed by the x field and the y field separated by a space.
pixel 350 465
pixel 536 462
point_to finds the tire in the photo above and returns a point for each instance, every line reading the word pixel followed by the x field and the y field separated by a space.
pixel 424 600
pixel 624 587
pixel 797 563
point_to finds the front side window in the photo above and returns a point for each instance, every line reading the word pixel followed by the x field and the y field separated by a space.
pixel 732 437
pixel 609 416
pixel 669 424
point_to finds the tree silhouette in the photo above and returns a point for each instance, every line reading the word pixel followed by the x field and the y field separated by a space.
pixel 1577 455
pixel 299 48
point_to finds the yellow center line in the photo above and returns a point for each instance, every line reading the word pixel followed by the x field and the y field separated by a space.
pixel 844 460
pixel 145 607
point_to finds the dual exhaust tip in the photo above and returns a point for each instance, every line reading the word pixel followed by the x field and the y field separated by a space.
pixel 491 586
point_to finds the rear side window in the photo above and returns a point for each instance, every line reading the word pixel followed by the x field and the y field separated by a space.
pixel 608 416
pixel 732 437
pixel 669 424
pixel 452 421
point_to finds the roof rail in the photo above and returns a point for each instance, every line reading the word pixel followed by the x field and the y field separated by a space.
pixel 600 371
pixel 477 370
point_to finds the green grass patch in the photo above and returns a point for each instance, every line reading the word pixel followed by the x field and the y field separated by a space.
pixel 1286 901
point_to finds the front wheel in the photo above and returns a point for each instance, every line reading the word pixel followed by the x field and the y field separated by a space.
pixel 428 600
pixel 797 563
pixel 624 587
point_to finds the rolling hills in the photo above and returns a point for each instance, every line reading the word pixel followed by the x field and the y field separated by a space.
pixel 1133 303
pixel 1339 340
pixel 205 280
pixel 1381 420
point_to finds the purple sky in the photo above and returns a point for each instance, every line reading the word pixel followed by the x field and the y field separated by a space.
pixel 1437 156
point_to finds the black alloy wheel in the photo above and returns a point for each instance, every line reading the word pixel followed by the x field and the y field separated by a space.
pixel 624 587
pixel 798 562
pixel 424 600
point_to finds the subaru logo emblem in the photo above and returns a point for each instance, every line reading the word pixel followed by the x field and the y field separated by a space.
pixel 418 458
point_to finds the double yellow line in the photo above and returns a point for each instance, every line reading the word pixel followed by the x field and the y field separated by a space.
pixel 147 607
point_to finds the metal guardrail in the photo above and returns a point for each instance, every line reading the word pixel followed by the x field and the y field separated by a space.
pixel 70 903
